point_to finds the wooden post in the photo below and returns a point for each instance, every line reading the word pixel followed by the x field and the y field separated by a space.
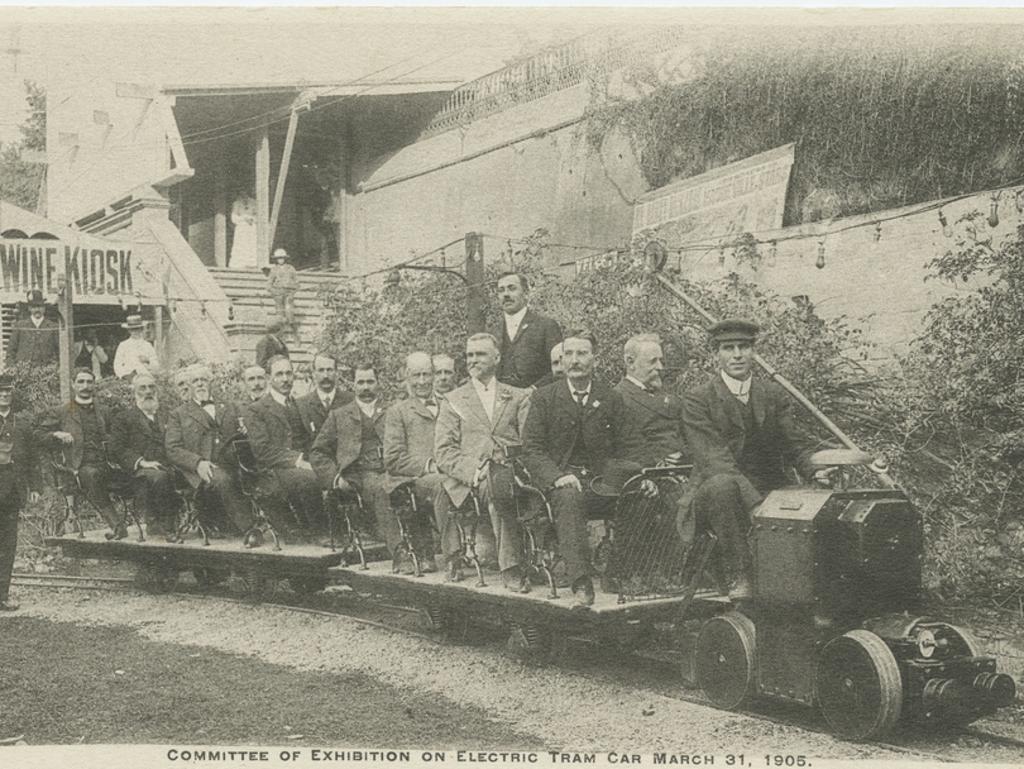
pixel 220 219
pixel 282 177
pixel 475 318
pixel 263 199
pixel 158 335
pixel 65 311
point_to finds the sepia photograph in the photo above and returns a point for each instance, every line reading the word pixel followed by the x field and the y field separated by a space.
pixel 498 386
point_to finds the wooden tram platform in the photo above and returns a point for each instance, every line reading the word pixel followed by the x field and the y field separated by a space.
pixel 433 590
pixel 228 554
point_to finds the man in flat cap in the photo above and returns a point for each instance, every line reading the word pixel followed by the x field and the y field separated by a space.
pixel 741 434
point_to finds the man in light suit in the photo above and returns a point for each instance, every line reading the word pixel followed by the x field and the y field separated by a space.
pixel 525 337
pixel 315 405
pixel 198 442
pixel 655 413
pixel 476 422
pixel 409 445
pixel 278 441
pixel 349 451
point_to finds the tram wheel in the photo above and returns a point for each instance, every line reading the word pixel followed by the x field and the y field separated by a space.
pixel 307 585
pixel 528 640
pixel 723 659
pixel 207 577
pixel 858 686
pixel 258 587
pixel 156 577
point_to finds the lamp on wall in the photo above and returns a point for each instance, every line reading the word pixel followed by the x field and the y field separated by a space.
pixel 993 211
pixel 946 229
pixel 820 261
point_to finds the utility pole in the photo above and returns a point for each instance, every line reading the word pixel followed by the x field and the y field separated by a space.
pixel 475 317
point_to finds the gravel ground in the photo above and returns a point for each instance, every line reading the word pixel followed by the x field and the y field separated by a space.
pixel 563 709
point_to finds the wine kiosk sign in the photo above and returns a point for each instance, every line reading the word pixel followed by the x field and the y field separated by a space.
pixel 96 275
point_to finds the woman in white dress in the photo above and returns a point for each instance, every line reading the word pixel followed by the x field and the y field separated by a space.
pixel 243 245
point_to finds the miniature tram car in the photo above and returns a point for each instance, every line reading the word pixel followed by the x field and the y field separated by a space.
pixel 833 622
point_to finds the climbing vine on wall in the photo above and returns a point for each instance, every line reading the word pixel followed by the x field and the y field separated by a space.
pixel 881 116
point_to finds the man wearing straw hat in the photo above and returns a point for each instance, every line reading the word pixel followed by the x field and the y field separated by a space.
pixel 34 340
pixel 134 355
pixel 282 285
pixel 741 433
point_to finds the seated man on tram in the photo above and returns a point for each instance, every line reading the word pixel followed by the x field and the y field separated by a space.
pixel 349 451
pixel 656 413
pixel 741 433
pixel 409 448
pixel 278 443
pixel 198 443
pixel 137 443
pixel 81 428
pixel 575 426
pixel 475 424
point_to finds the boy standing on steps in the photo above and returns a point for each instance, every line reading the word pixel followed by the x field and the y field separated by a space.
pixel 282 285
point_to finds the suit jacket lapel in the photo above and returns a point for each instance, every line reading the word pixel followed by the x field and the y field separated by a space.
pixel 731 404
pixel 757 401
pixel 527 317
pixel 475 405
pixel 502 396
pixel 650 401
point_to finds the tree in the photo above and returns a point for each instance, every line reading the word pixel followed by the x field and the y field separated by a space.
pixel 20 179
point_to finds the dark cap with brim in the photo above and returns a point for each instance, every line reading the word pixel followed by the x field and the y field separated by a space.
pixel 734 330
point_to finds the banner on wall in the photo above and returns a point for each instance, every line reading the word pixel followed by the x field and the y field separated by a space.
pixel 746 196
pixel 99 275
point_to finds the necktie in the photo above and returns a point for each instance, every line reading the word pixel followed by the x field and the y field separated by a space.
pixel 580 396
pixel 204 404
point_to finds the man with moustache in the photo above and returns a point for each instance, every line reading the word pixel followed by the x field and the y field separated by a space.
pixel 741 433
pixel 525 336
pixel 198 443
pixel 654 412
pixel 326 396
pixel 255 380
pixel 182 384
pixel 444 374
pixel 409 445
pixel 34 341
pixel 137 440
pixel 476 423
pixel 19 472
pixel 278 440
pixel 349 451
pixel 81 428
pixel 574 427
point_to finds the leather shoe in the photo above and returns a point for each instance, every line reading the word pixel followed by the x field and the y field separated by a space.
pixel 118 533
pixel 512 578
pixel 741 589
pixel 583 593
pixel 9 605
pixel 253 539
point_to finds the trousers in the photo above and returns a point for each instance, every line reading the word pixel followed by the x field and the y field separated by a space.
pixel 719 504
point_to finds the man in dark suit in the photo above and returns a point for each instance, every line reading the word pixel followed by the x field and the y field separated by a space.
pixel 271 344
pixel 137 443
pixel 573 429
pixel 350 451
pixel 741 433
pixel 278 441
pixel 525 337
pixel 255 380
pixel 34 340
pixel 655 413
pixel 322 399
pixel 81 430
pixel 198 443
pixel 18 471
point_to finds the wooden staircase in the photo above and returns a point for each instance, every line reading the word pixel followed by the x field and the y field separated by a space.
pixel 253 308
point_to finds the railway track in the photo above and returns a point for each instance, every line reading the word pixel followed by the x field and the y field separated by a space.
pixel 127 584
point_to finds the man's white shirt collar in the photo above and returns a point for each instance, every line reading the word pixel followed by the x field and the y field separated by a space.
pixel 738 387
pixel 37 323
pixel 513 322
pixel 573 390
pixel 486 393
pixel 282 399
pixel 367 408
pixel 637 382
pixel 328 399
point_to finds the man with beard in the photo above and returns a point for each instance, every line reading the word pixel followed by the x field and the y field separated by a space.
pixel 476 423
pixel 182 384
pixel 278 440
pixel 409 445
pixel 349 451
pixel 198 443
pixel 34 340
pixel 525 336
pixel 80 428
pixel 575 426
pixel 655 413
pixel 137 440
pixel 326 396
pixel 18 471
pixel 444 374
pixel 255 380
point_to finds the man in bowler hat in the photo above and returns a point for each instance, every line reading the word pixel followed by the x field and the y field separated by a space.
pixel 34 340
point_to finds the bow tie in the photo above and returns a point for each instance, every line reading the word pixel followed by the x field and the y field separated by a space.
pixel 430 404
pixel 204 404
